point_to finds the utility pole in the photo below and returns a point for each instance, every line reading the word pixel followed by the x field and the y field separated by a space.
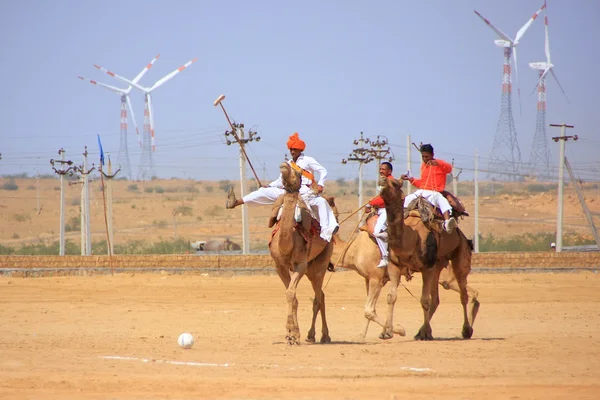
pixel 476 190
pixel 86 235
pixel 561 168
pixel 408 163
pixel 379 151
pixel 252 136
pixel 362 155
pixel 455 179
pixel 62 171
pixel 109 177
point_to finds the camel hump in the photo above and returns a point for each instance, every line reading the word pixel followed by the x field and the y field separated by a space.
pixel 458 208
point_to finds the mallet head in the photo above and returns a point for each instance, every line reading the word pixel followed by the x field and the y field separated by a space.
pixel 219 100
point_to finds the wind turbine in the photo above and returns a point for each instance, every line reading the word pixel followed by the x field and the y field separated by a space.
pixel 510 45
pixel 125 103
pixel 546 66
pixel 539 159
pixel 148 91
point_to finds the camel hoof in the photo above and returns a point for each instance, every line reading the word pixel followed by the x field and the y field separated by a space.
pixel 423 336
pixel 399 330
pixel 291 341
pixel 385 336
pixel 325 339
pixel 310 339
pixel 467 332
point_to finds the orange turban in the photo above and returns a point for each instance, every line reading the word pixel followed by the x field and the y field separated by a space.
pixel 295 143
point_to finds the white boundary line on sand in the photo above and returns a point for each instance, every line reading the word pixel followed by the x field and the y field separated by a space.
pixel 148 360
pixel 200 364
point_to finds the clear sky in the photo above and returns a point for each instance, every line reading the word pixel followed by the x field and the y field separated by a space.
pixel 326 69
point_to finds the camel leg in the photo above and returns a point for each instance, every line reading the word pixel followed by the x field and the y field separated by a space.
pixel 293 328
pixel 429 294
pixel 316 274
pixel 390 329
pixel 461 266
pixel 473 305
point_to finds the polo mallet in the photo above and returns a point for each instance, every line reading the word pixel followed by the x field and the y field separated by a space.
pixel 219 101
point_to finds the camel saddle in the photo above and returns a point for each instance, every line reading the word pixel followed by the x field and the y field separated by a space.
pixel 432 216
pixel 303 216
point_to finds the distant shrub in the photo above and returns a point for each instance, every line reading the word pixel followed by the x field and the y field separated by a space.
pixel 15 236
pixel 149 189
pixel 74 224
pixel 539 188
pixel 199 218
pixel 161 224
pixel 159 189
pixel 10 185
pixel 31 187
pixel 21 217
pixel 75 201
pixel 133 206
pixel 224 185
pixel 183 210
pixel 213 211
pixel 341 182
pixel 209 188
pixel 370 192
pixel 133 187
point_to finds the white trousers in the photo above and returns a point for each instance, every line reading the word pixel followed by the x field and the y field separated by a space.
pixel 433 197
pixel 380 226
pixel 264 195
pixel 318 205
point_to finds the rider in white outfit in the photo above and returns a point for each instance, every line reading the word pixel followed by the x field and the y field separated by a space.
pixel 267 195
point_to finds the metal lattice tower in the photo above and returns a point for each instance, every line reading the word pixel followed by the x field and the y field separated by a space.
pixel 123 158
pixel 505 156
pixel 146 169
pixel 540 153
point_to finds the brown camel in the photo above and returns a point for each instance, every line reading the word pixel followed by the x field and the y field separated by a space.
pixel 297 252
pixel 361 254
pixel 414 245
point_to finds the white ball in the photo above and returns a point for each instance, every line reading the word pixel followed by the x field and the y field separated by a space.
pixel 185 340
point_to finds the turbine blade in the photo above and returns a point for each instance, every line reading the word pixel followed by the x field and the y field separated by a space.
pixel 170 76
pixel 146 68
pixel 528 24
pixel 547 43
pixel 127 81
pixel 109 87
pixel 498 31
pixel 137 131
pixel 559 85
pixel 514 51
pixel 151 118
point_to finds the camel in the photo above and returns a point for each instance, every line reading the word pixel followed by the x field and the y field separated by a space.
pixel 361 254
pixel 297 252
pixel 427 252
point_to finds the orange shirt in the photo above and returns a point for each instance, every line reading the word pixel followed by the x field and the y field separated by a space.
pixel 378 201
pixel 433 177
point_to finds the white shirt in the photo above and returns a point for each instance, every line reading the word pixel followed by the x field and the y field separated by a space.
pixel 309 164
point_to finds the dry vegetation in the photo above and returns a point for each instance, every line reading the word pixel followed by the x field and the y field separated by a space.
pixel 162 209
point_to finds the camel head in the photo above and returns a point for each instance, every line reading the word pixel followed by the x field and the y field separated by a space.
pixel 392 194
pixel 291 179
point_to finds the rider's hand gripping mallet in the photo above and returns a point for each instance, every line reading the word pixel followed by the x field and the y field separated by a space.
pixel 219 101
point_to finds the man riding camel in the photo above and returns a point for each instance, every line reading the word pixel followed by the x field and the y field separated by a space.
pixel 431 183
pixel 379 231
pixel 310 190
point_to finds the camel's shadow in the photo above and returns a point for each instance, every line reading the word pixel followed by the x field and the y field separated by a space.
pixel 334 343
pixel 459 339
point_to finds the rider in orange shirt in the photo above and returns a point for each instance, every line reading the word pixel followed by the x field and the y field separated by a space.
pixel 431 183
pixel 385 169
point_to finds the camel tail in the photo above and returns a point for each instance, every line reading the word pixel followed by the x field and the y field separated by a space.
pixel 430 250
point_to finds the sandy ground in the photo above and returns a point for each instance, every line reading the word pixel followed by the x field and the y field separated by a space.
pixel 114 337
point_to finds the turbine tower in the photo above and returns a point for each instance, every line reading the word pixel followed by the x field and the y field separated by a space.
pixel 540 153
pixel 123 157
pixel 505 156
pixel 146 169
